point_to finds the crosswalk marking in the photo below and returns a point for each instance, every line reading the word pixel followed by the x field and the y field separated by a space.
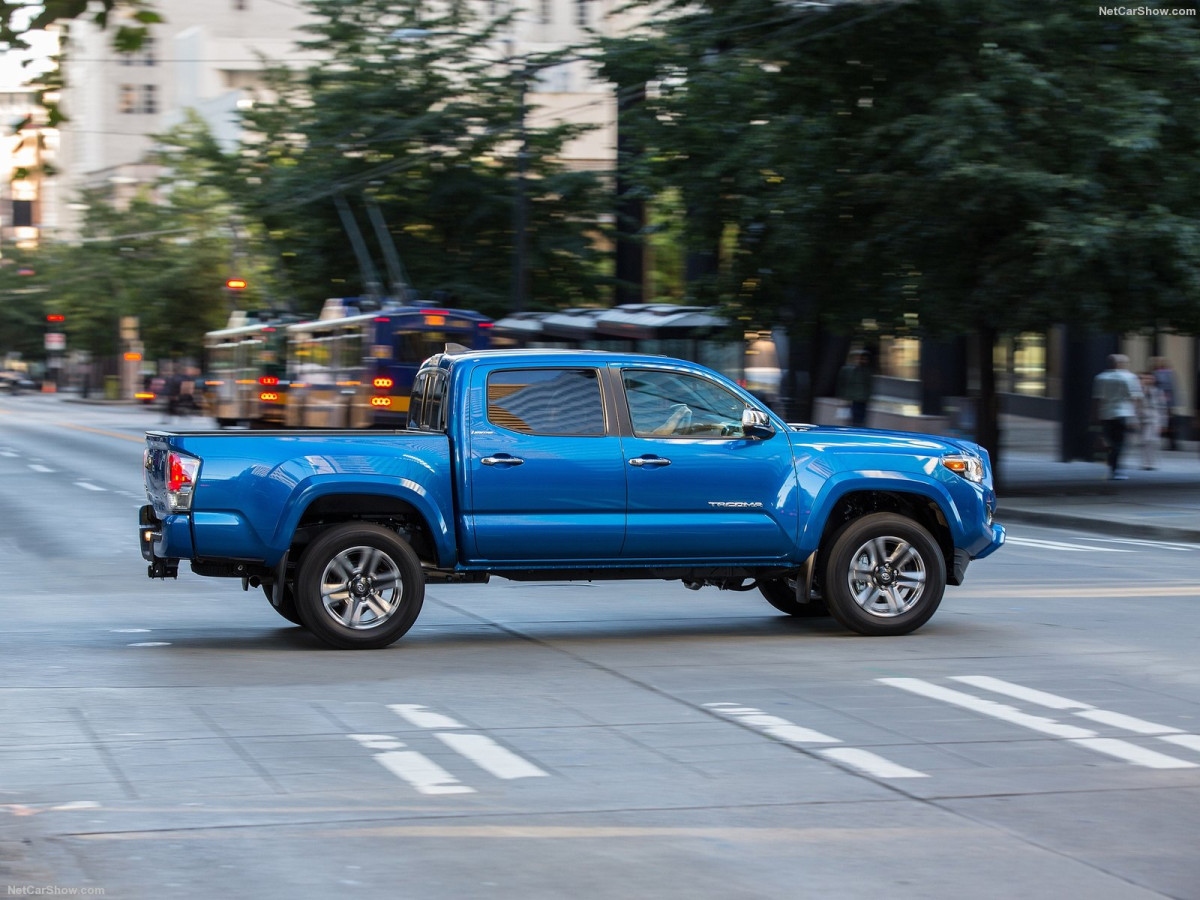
pixel 1081 736
pixel 771 725
pixel 1054 701
pixel 421 772
pixel 422 716
pixel 774 726
pixel 86 485
pixel 871 763
pixel 489 755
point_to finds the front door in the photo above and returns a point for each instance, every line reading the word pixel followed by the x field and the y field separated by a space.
pixel 699 489
pixel 546 478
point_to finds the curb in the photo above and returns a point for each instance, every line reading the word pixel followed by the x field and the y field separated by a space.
pixel 1099 526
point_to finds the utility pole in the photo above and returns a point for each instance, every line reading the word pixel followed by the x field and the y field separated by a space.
pixel 520 277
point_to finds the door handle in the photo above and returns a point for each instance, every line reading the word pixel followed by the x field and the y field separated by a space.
pixel 653 461
pixel 504 460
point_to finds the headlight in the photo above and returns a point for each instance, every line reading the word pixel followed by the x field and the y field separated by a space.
pixel 969 467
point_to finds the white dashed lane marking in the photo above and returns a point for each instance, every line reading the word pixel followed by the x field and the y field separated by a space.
pixel 781 729
pixel 1083 737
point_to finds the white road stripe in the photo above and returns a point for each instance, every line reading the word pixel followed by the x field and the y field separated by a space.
pixel 490 756
pixel 1139 756
pixel 771 725
pixel 40 468
pixel 866 761
pixel 87 486
pixel 1129 723
pixel 988 708
pixel 1081 736
pixel 1020 692
pixel 1054 701
pixel 1191 741
pixel 9 454
pixel 1060 545
pixel 421 772
pixel 1159 545
pixel 422 716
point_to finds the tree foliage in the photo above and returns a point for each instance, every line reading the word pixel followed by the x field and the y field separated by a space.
pixel 410 113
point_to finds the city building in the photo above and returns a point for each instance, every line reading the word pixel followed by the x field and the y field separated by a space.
pixel 26 147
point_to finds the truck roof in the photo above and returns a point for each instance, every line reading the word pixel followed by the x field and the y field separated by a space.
pixel 543 354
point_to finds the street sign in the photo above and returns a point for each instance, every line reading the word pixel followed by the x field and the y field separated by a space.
pixel 56 340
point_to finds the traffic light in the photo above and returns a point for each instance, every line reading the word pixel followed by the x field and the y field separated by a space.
pixel 235 284
pixel 55 318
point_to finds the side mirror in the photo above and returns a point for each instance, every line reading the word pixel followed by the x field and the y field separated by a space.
pixel 756 424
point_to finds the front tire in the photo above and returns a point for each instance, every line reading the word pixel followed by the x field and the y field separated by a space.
pixel 781 594
pixel 359 587
pixel 885 575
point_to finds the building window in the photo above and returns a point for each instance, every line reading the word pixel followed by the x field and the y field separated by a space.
pixel 582 13
pixel 143 56
pixel 138 99
pixel 241 5
pixel 545 13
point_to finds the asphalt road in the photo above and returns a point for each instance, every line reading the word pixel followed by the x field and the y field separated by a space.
pixel 1040 737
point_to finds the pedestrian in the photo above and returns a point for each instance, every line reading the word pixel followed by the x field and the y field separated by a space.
pixel 1151 422
pixel 1117 399
pixel 1164 379
pixel 854 386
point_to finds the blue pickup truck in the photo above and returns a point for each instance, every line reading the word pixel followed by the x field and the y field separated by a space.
pixel 571 465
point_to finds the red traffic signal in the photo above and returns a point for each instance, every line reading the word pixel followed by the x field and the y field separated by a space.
pixel 55 317
pixel 235 284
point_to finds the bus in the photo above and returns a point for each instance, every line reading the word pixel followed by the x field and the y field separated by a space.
pixel 354 368
pixel 245 366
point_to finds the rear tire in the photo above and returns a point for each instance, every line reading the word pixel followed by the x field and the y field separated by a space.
pixel 885 575
pixel 359 587
pixel 781 594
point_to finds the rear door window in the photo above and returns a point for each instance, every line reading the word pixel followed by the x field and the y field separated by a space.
pixel 546 401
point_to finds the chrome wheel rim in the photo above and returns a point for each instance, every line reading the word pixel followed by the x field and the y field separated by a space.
pixel 361 588
pixel 887 576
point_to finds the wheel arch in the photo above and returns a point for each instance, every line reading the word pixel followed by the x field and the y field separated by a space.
pixel 408 512
pixel 918 506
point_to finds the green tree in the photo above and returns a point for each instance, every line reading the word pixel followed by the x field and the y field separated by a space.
pixel 132 18
pixel 408 113
pixel 987 165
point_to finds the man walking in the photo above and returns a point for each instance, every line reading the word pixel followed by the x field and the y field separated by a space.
pixel 1117 395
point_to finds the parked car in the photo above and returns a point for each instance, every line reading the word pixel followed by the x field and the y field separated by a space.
pixel 17 382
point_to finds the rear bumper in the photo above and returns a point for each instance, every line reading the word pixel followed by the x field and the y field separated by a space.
pixel 163 542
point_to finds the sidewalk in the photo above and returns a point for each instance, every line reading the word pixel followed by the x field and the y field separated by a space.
pixel 1035 488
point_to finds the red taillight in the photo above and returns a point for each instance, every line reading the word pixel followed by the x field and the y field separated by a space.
pixel 181 480
pixel 383 382
pixel 268 380
pixel 179 474
pixel 381 401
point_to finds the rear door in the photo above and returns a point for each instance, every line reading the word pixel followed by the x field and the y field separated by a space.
pixel 545 472
pixel 699 488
